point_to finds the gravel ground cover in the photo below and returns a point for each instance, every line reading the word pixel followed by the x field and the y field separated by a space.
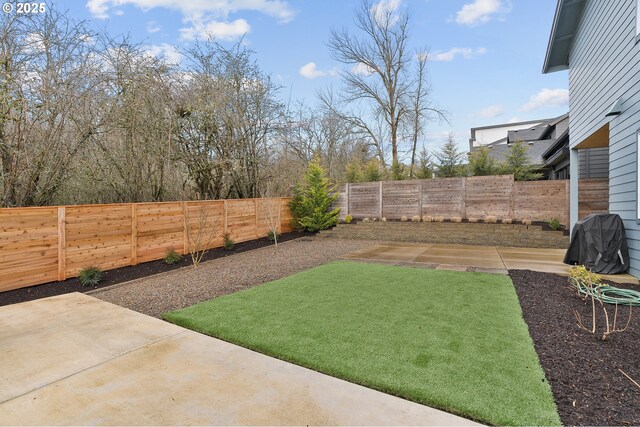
pixel 584 371
pixel 128 273
pixel 181 288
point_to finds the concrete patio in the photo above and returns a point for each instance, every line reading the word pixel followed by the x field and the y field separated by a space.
pixel 488 259
pixel 73 359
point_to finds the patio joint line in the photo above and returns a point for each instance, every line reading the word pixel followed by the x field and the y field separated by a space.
pixel 94 366
pixel 501 259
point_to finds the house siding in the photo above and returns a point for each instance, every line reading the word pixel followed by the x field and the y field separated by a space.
pixel 594 163
pixel 604 66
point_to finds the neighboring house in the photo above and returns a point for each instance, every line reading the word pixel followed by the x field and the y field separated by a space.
pixel 599 43
pixel 548 147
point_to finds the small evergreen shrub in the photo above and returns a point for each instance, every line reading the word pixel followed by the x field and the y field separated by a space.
pixel 172 257
pixel 311 203
pixel 228 242
pixel 348 219
pixel 554 224
pixel 90 276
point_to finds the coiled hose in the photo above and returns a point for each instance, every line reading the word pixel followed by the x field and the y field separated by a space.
pixel 611 295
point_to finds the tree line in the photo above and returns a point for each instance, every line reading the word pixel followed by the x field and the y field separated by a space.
pixel 86 117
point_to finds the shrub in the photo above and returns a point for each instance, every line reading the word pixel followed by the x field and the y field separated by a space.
pixel 438 219
pixel 507 221
pixel 271 236
pixel 404 218
pixel 348 219
pixel 427 218
pixel 490 219
pixel 90 276
pixel 172 257
pixel 366 220
pixel 527 221
pixel 415 218
pixel 472 220
pixel 228 242
pixel 554 224
pixel 383 219
pixel 456 219
pixel 311 203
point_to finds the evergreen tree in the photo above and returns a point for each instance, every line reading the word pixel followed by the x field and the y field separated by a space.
pixel 482 164
pixel 311 204
pixel 449 159
pixel 425 165
pixel 517 163
pixel 353 172
pixel 372 171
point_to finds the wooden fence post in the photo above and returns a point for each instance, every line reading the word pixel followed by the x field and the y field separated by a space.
pixel 380 197
pixel 255 214
pixel 134 234
pixel 225 217
pixel 463 208
pixel 420 199
pixel 185 228
pixel 62 260
pixel 512 198
pixel 348 185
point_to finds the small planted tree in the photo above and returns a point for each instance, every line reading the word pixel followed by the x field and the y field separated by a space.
pixel 201 230
pixel 311 204
pixel 517 163
pixel 482 164
pixel 449 159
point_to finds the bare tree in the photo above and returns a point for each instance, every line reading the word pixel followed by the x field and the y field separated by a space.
pixel 379 64
pixel 201 230
pixel 420 109
pixel 46 84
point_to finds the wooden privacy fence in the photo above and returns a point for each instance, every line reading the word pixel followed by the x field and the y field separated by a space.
pixel 470 197
pixel 45 244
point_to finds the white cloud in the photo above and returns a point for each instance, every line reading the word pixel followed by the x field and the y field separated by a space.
pixel 385 8
pixel 481 11
pixel 203 17
pixel 362 69
pixel 153 27
pixel 34 42
pixel 164 51
pixel 311 71
pixel 450 55
pixel 547 98
pixel 491 111
pixel 216 29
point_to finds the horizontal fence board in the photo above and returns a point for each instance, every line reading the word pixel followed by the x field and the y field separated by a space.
pixel 472 197
pixel 39 246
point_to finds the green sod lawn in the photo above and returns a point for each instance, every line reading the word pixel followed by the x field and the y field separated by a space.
pixel 451 340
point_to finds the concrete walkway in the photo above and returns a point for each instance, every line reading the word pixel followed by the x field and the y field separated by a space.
pixel 73 359
pixel 488 259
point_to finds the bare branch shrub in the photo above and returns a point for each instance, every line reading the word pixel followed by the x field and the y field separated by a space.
pixel 201 230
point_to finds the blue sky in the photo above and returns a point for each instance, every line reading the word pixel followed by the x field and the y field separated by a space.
pixel 486 55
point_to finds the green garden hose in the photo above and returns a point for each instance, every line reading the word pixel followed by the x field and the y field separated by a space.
pixel 612 295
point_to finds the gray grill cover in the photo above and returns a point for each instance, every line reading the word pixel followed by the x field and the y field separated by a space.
pixel 599 243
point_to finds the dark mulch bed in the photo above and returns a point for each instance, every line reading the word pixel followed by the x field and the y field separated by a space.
pixel 124 274
pixel 583 371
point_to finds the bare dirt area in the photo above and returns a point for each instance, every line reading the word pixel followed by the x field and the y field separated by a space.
pixel 181 288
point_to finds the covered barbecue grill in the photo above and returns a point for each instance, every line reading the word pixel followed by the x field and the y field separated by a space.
pixel 599 243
